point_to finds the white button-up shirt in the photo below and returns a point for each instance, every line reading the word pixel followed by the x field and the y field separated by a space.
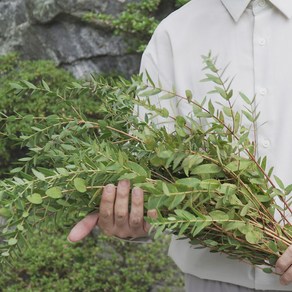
pixel 256 39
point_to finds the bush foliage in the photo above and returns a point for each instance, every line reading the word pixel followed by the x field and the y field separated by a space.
pixel 13 69
pixel 136 22
pixel 96 264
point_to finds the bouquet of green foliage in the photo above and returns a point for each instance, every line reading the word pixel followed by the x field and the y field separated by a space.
pixel 203 179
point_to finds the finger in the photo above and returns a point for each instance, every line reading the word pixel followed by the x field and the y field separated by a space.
pixel 106 210
pixel 83 228
pixel 121 212
pixel 152 214
pixel 136 221
pixel 286 278
pixel 284 262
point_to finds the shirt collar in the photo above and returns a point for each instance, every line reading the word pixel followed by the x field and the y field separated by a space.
pixel 237 7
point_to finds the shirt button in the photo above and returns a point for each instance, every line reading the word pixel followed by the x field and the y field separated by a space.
pixel 263 91
pixel 262 41
pixel 266 143
pixel 262 3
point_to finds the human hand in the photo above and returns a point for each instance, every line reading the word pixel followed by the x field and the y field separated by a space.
pixel 284 267
pixel 114 218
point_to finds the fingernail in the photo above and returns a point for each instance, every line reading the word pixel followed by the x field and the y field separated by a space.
pixel 109 187
pixel 69 239
pixel 152 212
pixel 124 183
pixel 136 192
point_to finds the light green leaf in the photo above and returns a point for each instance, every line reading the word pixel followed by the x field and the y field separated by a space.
pixel 35 199
pixel 210 184
pixel 206 169
pixel 218 215
pixel 55 193
pixel 38 174
pixel 80 185
pixel 137 168
pixel 128 176
pixel 12 241
pixel 62 171
pixel 176 201
pixel 254 236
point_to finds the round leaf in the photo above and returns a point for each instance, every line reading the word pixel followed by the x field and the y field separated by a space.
pixel 80 185
pixel 5 254
pixel 35 199
pixel 55 193
pixel 12 241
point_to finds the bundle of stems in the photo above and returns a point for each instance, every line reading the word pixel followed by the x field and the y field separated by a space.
pixel 200 172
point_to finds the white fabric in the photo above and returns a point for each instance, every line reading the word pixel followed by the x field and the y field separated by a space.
pixel 256 40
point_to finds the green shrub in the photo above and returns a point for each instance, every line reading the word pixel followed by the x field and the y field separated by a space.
pixel 13 69
pixel 96 264
pixel 137 22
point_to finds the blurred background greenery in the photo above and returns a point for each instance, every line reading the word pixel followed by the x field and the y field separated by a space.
pixel 60 41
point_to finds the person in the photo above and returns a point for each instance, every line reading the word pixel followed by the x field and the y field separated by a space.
pixel 254 37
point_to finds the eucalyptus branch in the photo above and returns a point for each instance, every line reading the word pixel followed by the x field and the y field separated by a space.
pixel 194 175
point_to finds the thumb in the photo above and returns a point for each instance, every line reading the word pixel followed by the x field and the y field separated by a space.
pixel 83 227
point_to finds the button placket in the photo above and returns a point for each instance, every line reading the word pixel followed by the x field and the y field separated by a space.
pixel 261 66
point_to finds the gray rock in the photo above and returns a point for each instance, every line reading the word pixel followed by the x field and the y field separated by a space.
pixel 55 30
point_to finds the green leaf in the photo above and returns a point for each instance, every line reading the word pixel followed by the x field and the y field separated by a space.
pixel 38 174
pixel 245 98
pixel 12 241
pixel 62 171
pixel 185 214
pixel 239 165
pixel 80 185
pixel 29 84
pixel 219 216
pixel 279 182
pixel 68 147
pixel 45 85
pixel 254 236
pixel 128 176
pixel 55 193
pixel 176 201
pixel 35 199
pixel 167 96
pixel 137 168
pixel 189 95
pixel 206 169
pixel 165 189
pixel 15 85
pixel 192 182
pixel 210 184
pixel 5 254
pixel 244 210
pixel 273 246
pixel 165 154
pixel 200 226
pixel 268 270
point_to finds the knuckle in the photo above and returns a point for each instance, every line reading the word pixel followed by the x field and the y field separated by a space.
pixel 107 199
pixel 121 234
pixel 105 214
pixel 107 232
pixel 123 193
pixel 137 202
pixel 121 215
pixel 136 222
